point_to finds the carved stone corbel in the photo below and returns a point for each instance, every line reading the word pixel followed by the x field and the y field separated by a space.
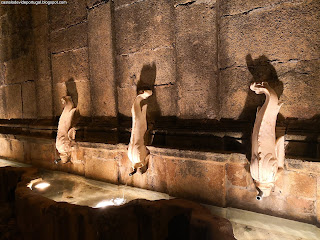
pixel 66 134
pixel 267 152
pixel 138 153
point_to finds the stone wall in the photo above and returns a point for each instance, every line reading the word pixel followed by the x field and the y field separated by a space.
pixel 198 56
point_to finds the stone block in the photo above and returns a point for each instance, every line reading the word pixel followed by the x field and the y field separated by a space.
pixel 12 149
pixel 301 89
pixel 101 164
pixel 124 3
pixel 237 100
pixel 39 15
pixel 300 185
pixel 318 201
pixel 41 51
pixel 17 150
pixel 196 61
pixel 84 100
pixel 6 51
pixel 14 101
pixel 73 37
pixel 81 97
pixel 197 180
pixel 72 65
pixel 17 18
pixel 270 32
pixel 148 25
pixel 150 67
pixel 59 90
pixel 300 209
pixel 239 175
pixel 244 7
pixel 29 103
pixel 165 102
pixel 157 179
pixel 126 97
pixel 40 153
pixel 102 61
pixel 44 99
pixel 25 72
pixel 3 103
pixel 61 16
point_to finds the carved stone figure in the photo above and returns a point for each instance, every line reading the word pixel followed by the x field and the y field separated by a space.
pixel 138 153
pixel 66 134
pixel 267 152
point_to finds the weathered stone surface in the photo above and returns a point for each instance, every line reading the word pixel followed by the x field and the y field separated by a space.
pixel 157 173
pixel 16 18
pixel 3 103
pixel 196 61
pixel 318 201
pixel 70 65
pixel 201 180
pixel 125 99
pixel 102 61
pixel 291 67
pixel 40 153
pixel 42 56
pixel 44 99
pixel 238 175
pixel 237 100
pixel 61 16
pixel 29 107
pixel 300 208
pixel 124 3
pixel 73 37
pixel 13 101
pixel 166 101
pixel 148 25
pixel 25 66
pixel 39 15
pixel 244 7
pixel 275 41
pixel 12 149
pixel 101 165
pixel 300 96
pixel 152 67
pixel 84 100
pixel 81 97
pixel 59 90
pixel 300 185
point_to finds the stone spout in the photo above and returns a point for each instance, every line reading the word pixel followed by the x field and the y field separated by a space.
pixel 267 153
pixel 138 153
pixel 66 134
pixel 259 196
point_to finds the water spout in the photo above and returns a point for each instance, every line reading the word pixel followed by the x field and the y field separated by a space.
pixel 133 172
pixel 259 196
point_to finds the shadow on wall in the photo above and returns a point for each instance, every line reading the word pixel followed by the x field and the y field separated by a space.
pixel 262 71
pixel 146 82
